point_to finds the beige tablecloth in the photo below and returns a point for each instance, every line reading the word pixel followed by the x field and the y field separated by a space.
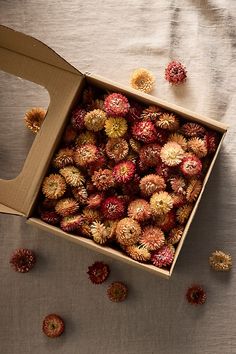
pixel 111 38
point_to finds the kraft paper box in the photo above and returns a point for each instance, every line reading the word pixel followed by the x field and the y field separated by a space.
pixel 30 59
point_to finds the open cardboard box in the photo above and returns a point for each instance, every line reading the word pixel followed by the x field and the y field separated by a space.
pixel 30 59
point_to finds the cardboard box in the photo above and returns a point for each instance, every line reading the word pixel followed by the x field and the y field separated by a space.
pixel 32 60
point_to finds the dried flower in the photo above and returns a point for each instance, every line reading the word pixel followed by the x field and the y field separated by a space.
pixel 85 155
pixel 77 118
pixel 113 208
pixel 161 203
pixel 99 232
pixel 95 200
pixel 179 139
pixel 162 135
pixel 34 118
pixel 151 113
pixel 85 138
pixel 67 206
pixel 54 186
pixel 116 105
pixel 117 291
pixel 183 213
pixel 193 190
pixel 138 253
pixel 128 231
pixel 71 223
pixel 72 176
pixel 175 235
pixel 117 149
pixel 124 171
pixel 164 256
pixel 175 73
pixel 95 120
pixel 139 210
pixel 97 104
pixel 116 127
pixel 198 147
pixel 178 199
pixel 193 130
pixel 103 179
pixel 53 326
pixel 144 131
pixel 152 238
pixel 168 121
pixel 151 184
pixel 196 295
pixel 212 140
pixel 150 154
pixel 166 221
pixel 178 184
pixel 64 157
pixel 172 154
pixel 50 217
pixel 80 194
pixel 91 215
pixel 135 145
pixel 23 260
pixel 164 171
pixel 191 166
pixel 220 261
pixel 142 80
pixel 98 272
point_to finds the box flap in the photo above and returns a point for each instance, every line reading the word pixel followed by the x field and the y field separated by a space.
pixel 26 57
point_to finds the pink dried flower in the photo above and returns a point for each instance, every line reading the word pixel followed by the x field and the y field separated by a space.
pixel 144 131
pixel 191 166
pixel 164 256
pixel 175 73
pixel 124 171
pixel 152 238
pixel 116 105
pixel 151 183
pixel 103 179
pixel 113 208
pixel 77 118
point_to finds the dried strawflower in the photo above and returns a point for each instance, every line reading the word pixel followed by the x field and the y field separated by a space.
pixel 212 140
pixel 95 200
pixel 193 190
pixel 54 186
pixel 151 113
pixel 178 199
pixel 191 166
pixel 100 232
pixel 117 291
pixel 220 261
pixel 175 235
pixel 152 238
pixel 50 217
pixel 116 127
pixel 193 130
pixel 71 223
pixel 124 171
pixel 178 184
pixel 95 120
pixel 53 326
pixel 77 118
pixel 103 179
pixel 151 183
pixel 86 137
pixel 166 221
pixel 179 139
pixel 198 147
pixel 142 80
pixel 172 154
pixel 117 149
pixel 69 135
pixel 164 256
pixel 175 73
pixel 196 295
pixel 116 105
pixel 182 213
pixel 72 176
pixel 23 260
pixel 135 145
pixel 80 194
pixel 128 231
pixel 138 253
pixel 67 206
pixel 144 131
pixel 113 208
pixel 63 157
pixel 161 203
pixel 34 118
pixel 168 121
pixel 150 154
pixel 139 210
pixel 91 215
pixel 164 171
pixel 85 155
pixel 98 272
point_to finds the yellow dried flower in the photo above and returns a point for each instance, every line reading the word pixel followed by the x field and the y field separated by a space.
pixel 142 80
pixel 193 190
pixel 168 121
pixel 34 118
pixel 116 127
pixel 95 120
pixel 87 137
pixel 72 175
pixel 138 253
pixel 161 203
pixel 179 139
pixel 128 231
pixel 220 261
pixel 182 213
pixel 54 186
pixel 198 147
pixel 99 232
pixel 172 154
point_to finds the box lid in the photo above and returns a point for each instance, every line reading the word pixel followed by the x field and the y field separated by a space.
pixel 30 59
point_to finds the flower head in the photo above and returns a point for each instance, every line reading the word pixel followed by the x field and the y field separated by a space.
pixel 117 149
pixel 103 179
pixel 124 171
pixel 220 261
pixel 80 194
pixel 117 291
pixel 138 253
pixel 95 120
pixel 134 112
pixel 212 141
pixel 53 326
pixel 69 135
pixel 54 186
pixel 50 217
pixel 166 221
pixel 164 256
pixel 95 200
pixel 142 80
pixel 128 231
pixel 151 113
pixel 161 203
pixel 34 119
pixel 67 206
pixel 198 147
pixel 23 260
pixel 183 213
pixel 168 121
pixel 193 130
pixel 196 295
pixel 152 238
pixel 116 105
pixel 179 139
pixel 191 166
pixel 135 145
pixel 72 176
pixel 178 184
pixel 175 73
pixel 71 223
pixel 87 137
pixel 85 155
pixel 175 235
pixel 150 154
pixel 113 208
pixel 151 183
pixel 100 232
pixel 98 272
pixel 64 157
pixel 193 190
pixel 144 131
pixel 116 127
pixel 171 154
pixel 139 210
pixel 77 118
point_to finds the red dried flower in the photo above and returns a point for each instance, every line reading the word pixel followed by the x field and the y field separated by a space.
pixel 164 171
pixel 162 136
pixel 124 171
pixel 175 73
pixel 53 326
pixel 71 223
pixel 164 256
pixel 150 154
pixel 191 166
pixel 98 272
pixel 144 131
pixel 193 130
pixel 50 217
pixel 23 260
pixel 117 291
pixel 113 208
pixel 116 105
pixel 196 295
pixel 77 118
pixel 212 140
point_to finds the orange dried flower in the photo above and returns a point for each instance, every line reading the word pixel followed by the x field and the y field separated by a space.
pixel 135 145
pixel 152 238
pixel 179 139
pixel 220 261
pixel 67 206
pixel 151 113
pixel 117 149
pixel 175 235
pixel 138 253
pixel 103 179
pixel 178 184
pixel 151 184
pixel 64 157
pixel 85 155
pixel 139 209
pixel 198 147
pixel 54 186
pixel 117 292
pixel 142 80
pixel 128 231
pixel 34 118
pixel 95 120
pixel 168 121
pixel 193 190
pixel 183 213
pixel 72 175
pixel 80 194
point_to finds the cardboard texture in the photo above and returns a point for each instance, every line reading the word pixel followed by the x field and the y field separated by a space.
pixel 28 58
